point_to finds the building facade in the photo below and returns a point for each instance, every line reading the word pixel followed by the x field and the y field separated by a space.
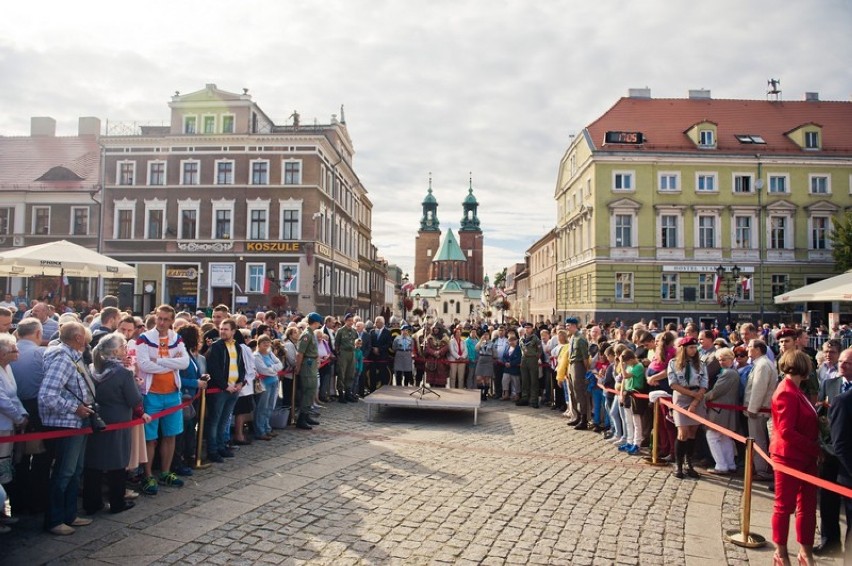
pixel 541 266
pixel 656 194
pixel 225 206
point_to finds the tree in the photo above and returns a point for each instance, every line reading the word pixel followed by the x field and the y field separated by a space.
pixel 500 278
pixel 841 241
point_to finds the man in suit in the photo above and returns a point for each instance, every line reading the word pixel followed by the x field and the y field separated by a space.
pixel 758 395
pixel 380 354
pixel 841 434
pixel 841 438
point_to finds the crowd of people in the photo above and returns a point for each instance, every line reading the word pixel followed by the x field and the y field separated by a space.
pixel 69 371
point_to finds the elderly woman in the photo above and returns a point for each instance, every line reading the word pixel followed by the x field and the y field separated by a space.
pixel 484 370
pixel 688 380
pixel 109 452
pixel 326 367
pixel 267 365
pixel 795 444
pixel 725 391
pixel 403 363
pixel 12 413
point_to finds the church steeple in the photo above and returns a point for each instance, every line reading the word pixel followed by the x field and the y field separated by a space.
pixel 470 221
pixel 429 221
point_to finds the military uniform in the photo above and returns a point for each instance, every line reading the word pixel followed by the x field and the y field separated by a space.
pixel 308 373
pixel 344 344
pixel 530 355
pixel 578 354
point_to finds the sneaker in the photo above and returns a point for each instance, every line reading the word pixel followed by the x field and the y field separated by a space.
pixel 150 487
pixel 633 450
pixel 130 494
pixel 81 522
pixel 625 447
pixel 225 453
pixel 170 479
pixel 215 458
pixel 183 471
pixel 62 530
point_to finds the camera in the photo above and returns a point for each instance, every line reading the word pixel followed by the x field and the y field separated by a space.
pixel 95 420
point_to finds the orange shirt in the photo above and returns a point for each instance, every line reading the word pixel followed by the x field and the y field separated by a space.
pixel 163 382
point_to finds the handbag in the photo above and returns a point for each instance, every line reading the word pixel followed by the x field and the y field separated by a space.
pixel 258 386
pixel 189 409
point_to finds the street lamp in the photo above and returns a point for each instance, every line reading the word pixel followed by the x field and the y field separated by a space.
pixel 729 299
pixel 404 292
pixel 280 283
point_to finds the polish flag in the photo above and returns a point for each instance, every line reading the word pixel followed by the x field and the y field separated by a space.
pixel 717 284
pixel 265 286
pixel 747 284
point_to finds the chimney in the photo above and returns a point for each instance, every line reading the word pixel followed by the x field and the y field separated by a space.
pixel 639 92
pixel 89 126
pixel 699 94
pixel 42 126
pixel 811 97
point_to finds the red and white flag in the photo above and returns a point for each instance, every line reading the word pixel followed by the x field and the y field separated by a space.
pixel 746 284
pixel 717 284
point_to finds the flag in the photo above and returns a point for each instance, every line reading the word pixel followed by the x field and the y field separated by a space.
pixel 238 288
pixel 265 286
pixel 747 284
pixel 65 280
pixel 717 284
pixel 501 292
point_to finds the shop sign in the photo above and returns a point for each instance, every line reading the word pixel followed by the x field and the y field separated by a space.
pixel 323 250
pixel 282 247
pixel 702 268
pixel 182 272
pixel 221 274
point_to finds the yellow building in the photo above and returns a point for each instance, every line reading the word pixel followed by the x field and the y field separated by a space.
pixel 656 194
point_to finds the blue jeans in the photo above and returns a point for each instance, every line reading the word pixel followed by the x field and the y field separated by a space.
pixel 599 415
pixel 221 408
pixel 265 404
pixel 616 415
pixel 65 480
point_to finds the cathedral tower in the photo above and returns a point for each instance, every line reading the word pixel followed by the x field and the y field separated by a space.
pixel 470 238
pixel 428 238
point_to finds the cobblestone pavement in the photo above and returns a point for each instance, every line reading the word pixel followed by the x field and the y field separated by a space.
pixel 419 487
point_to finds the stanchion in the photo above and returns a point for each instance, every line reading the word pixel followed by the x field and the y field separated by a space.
pixel 743 537
pixel 202 409
pixel 654 460
pixel 291 419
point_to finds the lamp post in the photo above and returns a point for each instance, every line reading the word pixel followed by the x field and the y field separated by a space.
pixel 729 299
pixel 404 292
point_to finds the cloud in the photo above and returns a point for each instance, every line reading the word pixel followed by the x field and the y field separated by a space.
pixel 489 87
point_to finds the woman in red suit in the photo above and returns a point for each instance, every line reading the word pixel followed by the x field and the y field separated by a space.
pixel 794 444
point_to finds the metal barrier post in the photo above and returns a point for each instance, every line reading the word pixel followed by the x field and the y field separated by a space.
pixel 202 409
pixel 743 537
pixel 292 416
pixel 654 460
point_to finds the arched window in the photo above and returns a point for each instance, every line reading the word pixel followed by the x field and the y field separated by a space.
pixel 446 308
pixel 458 307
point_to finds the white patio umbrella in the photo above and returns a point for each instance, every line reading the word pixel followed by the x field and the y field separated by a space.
pixel 61 258
pixel 837 288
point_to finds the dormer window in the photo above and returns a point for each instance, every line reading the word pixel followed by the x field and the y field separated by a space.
pixel 811 140
pixel 707 138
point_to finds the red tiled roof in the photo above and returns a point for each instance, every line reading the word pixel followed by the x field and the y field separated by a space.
pixel 24 160
pixel 665 121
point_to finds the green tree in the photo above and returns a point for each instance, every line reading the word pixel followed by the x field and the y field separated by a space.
pixel 500 278
pixel 841 241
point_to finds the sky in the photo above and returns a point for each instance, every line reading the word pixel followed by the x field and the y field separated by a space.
pixel 491 90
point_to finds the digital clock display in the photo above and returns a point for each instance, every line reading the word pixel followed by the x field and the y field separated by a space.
pixel 624 137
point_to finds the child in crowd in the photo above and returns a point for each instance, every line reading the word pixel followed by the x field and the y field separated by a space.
pixel 359 364
pixel 600 415
pixel 616 430
pixel 633 373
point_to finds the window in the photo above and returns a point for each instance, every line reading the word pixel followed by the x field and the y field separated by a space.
pixel 155 224
pixel 126 170
pixel 749 139
pixel 289 277
pixel 706 138
pixel 6 215
pixel 291 219
pixel 820 185
pixel 228 124
pixel 811 140
pixel 819 232
pixel 778 184
pixel 190 124
pixel 706 283
pixel 777 232
pixel 292 172
pixel 224 172
pixel 255 276
pixel 705 183
pixel 622 181
pixel 668 231
pixel 706 232
pixel 124 223
pixel 744 293
pixel 41 220
pixel 780 282
pixel 79 221
pixel 190 173
pixel 157 173
pixel 189 223
pixel 623 286
pixel 222 225
pixel 209 124
pixel 257 224
pixel 742 232
pixel 668 290
pixel 623 230
pixel 742 183
pixel 260 172
pixel 669 182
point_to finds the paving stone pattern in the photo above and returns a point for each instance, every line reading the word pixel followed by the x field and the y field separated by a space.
pixel 415 487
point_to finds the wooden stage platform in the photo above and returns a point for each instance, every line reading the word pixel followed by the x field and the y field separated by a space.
pixel 391 396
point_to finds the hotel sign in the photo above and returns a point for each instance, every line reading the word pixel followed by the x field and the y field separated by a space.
pixel 282 247
pixel 700 269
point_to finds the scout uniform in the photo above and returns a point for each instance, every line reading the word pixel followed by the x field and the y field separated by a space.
pixel 530 354
pixel 344 344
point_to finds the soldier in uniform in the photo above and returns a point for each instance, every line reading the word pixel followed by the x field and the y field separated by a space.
pixel 578 357
pixel 344 346
pixel 307 351
pixel 530 355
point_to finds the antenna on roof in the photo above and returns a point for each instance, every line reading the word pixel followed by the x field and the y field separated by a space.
pixel 773 90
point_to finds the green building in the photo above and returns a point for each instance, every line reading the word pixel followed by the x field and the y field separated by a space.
pixel 656 194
